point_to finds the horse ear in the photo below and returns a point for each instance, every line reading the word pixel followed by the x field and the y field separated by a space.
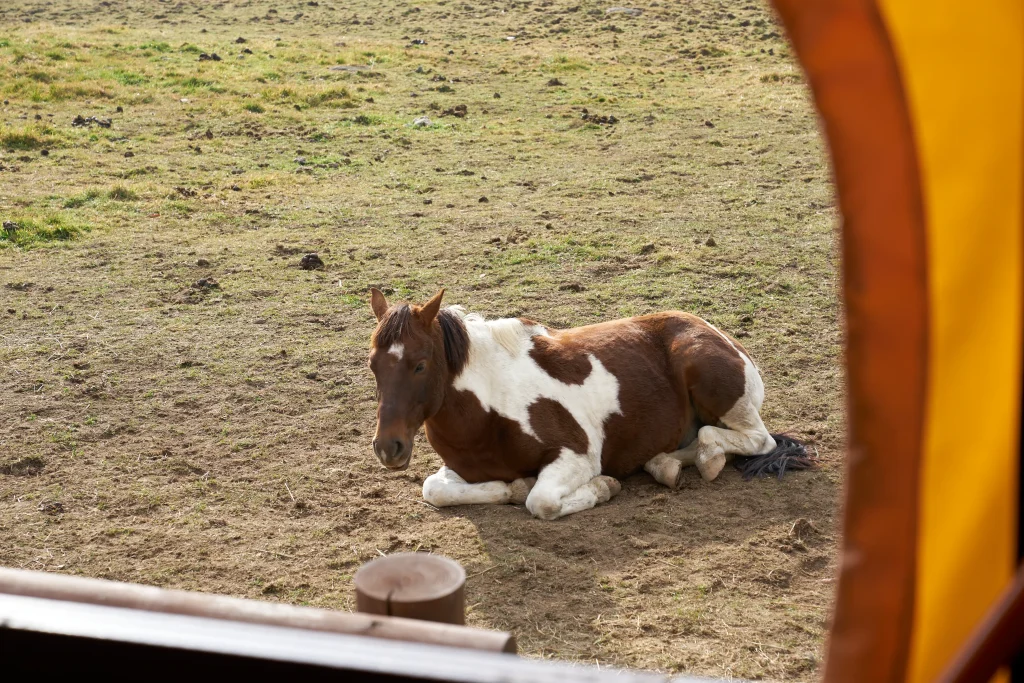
pixel 378 303
pixel 430 309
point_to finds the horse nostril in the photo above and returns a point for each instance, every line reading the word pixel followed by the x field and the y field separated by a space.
pixel 390 451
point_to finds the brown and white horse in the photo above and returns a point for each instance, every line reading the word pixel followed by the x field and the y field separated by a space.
pixel 522 413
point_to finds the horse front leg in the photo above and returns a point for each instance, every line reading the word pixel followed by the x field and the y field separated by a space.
pixel 667 468
pixel 445 488
pixel 573 482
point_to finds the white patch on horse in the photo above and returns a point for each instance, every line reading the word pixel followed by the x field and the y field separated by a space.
pixel 571 483
pixel 445 487
pixel 504 377
pixel 754 389
pixel 508 333
pixel 499 351
pixel 397 350
pixel 457 310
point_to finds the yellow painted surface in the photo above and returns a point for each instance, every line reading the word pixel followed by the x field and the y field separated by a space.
pixel 962 65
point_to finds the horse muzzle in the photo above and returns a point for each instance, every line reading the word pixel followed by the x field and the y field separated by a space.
pixel 394 454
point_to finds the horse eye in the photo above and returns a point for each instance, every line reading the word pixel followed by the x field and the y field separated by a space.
pixel 421 367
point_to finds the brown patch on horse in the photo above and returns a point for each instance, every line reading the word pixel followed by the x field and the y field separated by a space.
pixel 675 374
pixel 712 368
pixel 556 427
pixel 563 362
pixel 482 445
pixel 652 417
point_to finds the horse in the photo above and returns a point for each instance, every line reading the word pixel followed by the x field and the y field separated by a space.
pixel 523 413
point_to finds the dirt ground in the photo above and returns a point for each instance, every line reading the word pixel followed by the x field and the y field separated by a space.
pixel 182 405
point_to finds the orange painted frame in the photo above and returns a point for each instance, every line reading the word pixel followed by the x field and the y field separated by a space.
pixel 846 53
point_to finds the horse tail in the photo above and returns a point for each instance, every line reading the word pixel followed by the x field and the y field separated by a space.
pixel 788 454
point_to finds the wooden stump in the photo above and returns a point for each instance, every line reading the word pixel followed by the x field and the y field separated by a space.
pixel 413 585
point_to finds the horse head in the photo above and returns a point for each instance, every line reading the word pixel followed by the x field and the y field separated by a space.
pixel 407 357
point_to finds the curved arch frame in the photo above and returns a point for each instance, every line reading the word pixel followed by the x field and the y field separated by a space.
pixel 927 148
pixel 846 53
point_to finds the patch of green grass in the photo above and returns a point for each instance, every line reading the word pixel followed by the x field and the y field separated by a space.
pixel 179 208
pixel 81 199
pixel 320 136
pixel 192 83
pixel 121 193
pixel 30 231
pixel 262 181
pixel 254 107
pixel 33 136
pixel 327 96
pixel 565 63
pixel 128 78
pixel 40 76
pixel 155 46
pixel 367 120
pixel 133 172
pixel 63 92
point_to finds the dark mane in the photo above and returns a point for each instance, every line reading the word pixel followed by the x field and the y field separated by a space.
pixel 456 340
pixel 392 326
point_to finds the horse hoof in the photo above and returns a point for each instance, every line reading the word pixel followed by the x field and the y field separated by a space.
pixel 678 479
pixel 712 467
pixel 520 489
pixel 613 486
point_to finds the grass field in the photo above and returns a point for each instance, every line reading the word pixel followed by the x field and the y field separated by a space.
pixel 182 405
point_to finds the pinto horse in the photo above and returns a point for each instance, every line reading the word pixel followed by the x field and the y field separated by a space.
pixel 521 413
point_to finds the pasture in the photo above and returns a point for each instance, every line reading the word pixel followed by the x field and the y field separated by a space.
pixel 183 405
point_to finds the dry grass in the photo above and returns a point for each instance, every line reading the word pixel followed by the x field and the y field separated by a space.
pixel 168 369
